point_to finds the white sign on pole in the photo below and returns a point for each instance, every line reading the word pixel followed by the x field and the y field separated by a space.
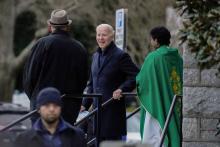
pixel 120 28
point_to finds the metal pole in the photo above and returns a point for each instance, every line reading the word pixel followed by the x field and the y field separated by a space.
pixel 19 120
pixel 98 124
pixel 128 94
pixel 167 120
pixel 98 110
pixel 22 118
pixel 93 112
pixel 133 113
pixel 91 141
pixel 90 95
pixel 104 104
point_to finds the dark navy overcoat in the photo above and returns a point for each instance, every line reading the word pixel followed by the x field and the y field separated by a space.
pixel 117 71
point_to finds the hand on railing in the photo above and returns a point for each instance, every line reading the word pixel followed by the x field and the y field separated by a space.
pixel 117 94
pixel 82 108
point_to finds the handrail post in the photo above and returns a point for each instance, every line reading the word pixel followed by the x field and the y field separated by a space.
pixel 167 120
pixel 98 118
pixel 133 112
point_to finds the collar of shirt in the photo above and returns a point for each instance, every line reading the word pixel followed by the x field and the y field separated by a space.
pixel 62 32
pixel 50 140
pixel 106 50
pixel 62 125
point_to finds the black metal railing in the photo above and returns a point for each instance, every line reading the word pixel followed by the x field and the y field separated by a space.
pixel 22 118
pixel 133 112
pixel 95 111
pixel 164 131
pixel 12 124
pixel 92 113
pixel 98 111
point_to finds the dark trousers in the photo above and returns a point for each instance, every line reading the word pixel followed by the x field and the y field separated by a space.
pixel 70 109
pixel 114 138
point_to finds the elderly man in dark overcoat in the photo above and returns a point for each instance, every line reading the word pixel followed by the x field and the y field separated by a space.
pixel 59 61
pixel 112 72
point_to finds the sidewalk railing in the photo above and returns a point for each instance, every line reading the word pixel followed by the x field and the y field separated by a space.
pixel 95 112
pixel 98 111
pixel 169 118
pixel 98 122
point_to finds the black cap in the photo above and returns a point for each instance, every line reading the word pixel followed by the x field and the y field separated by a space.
pixel 49 95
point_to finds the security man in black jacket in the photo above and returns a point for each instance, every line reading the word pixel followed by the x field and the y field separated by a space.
pixel 50 130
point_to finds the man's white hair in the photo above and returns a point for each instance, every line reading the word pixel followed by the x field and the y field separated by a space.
pixel 110 28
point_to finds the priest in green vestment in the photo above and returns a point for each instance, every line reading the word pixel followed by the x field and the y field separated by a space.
pixel 158 81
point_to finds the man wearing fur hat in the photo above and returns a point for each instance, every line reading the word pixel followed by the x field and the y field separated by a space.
pixel 59 61
pixel 50 130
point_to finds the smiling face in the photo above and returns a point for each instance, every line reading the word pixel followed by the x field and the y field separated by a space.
pixel 104 35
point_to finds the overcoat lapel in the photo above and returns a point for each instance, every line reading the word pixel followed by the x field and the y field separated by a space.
pixel 95 64
pixel 107 59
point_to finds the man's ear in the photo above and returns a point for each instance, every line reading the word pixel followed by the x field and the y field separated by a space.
pixel 158 44
pixel 49 28
pixel 68 28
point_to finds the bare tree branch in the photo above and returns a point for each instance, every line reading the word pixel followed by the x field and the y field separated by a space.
pixel 23 5
pixel 20 60
pixel 72 5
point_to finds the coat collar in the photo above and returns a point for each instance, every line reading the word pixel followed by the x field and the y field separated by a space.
pixel 35 132
pixel 107 49
pixel 62 32
pixel 108 52
pixel 62 126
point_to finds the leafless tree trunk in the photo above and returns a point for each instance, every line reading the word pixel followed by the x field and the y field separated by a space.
pixel 9 64
pixel 7 18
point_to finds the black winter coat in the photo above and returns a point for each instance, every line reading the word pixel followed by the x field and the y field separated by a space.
pixel 72 137
pixel 56 61
pixel 61 62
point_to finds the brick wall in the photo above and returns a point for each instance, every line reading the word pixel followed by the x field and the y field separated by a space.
pixel 201 96
pixel 201 104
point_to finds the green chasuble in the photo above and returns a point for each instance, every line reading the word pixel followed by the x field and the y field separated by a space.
pixel 158 81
